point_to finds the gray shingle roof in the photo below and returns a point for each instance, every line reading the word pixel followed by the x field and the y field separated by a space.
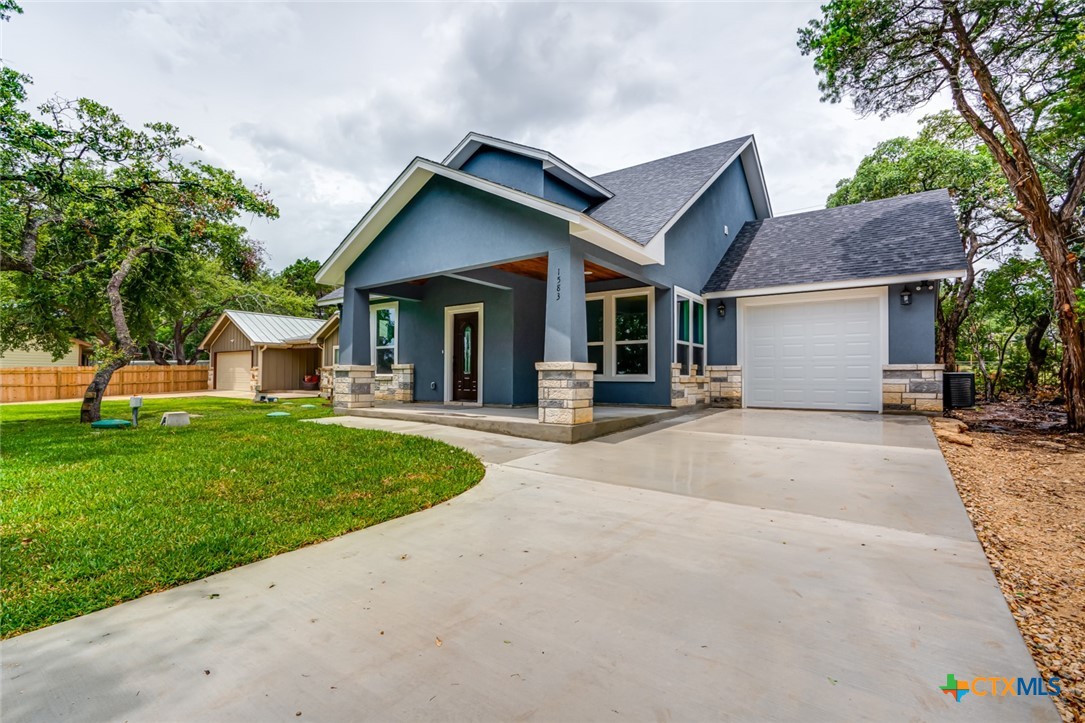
pixel 647 196
pixel 272 328
pixel 914 234
pixel 335 296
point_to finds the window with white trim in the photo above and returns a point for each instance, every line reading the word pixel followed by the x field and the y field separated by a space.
pixel 383 319
pixel 620 327
pixel 689 331
pixel 335 354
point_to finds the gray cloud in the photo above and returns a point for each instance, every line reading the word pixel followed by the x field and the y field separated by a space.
pixel 324 104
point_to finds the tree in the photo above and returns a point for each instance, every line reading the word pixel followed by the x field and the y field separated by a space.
pixel 99 221
pixel 205 290
pixel 300 277
pixel 1015 70
pixel 1012 297
pixel 941 157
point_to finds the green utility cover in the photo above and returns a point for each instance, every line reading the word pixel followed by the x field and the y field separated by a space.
pixel 111 424
pixel 308 406
pixel 278 414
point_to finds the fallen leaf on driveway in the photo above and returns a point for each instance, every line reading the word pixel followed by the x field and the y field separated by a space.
pixel 438 641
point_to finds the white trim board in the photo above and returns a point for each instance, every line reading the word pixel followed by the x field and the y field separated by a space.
pixel 450 312
pixel 876 292
pixel 794 289
pixel 551 163
pixel 419 172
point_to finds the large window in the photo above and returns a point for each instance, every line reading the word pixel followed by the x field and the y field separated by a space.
pixel 689 331
pixel 620 325
pixel 382 324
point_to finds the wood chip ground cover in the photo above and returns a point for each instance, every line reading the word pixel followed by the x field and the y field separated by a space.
pixel 1023 484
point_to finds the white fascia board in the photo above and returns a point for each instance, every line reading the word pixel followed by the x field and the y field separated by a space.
pixel 755 181
pixel 420 171
pixel 324 329
pixel 213 332
pixel 330 302
pixel 551 163
pixel 831 285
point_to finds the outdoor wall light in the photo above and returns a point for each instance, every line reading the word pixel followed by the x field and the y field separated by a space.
pixel 721 310
pixel 905 297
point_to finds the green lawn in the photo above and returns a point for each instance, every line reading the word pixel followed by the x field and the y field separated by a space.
pixel 92 518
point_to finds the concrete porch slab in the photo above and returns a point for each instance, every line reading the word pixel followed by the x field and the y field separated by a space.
pixel 522 421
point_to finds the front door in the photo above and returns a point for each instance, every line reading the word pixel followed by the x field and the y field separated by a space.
pixel 466 336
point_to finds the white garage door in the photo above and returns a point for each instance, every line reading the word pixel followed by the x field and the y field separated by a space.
pixel 819 352
pixel 232 370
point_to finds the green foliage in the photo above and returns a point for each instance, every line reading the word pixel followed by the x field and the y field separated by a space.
pixel 93 518
pixel 86 200
pixel 300 277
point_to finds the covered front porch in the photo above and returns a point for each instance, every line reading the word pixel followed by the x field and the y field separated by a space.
pixel 529 335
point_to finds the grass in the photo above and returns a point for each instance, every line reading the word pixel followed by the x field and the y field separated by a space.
pixel 92 518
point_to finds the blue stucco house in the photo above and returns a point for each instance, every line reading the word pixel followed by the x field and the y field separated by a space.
pixel 502 275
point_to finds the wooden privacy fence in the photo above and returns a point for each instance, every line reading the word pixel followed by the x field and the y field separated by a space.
pixel 34 384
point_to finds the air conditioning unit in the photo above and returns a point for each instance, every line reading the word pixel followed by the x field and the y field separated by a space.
pixel 958 390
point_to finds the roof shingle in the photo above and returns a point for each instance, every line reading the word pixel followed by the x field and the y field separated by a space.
pixel 914 234
pixel 648 195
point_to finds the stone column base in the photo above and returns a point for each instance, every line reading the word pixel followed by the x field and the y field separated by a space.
pixel 403 382
pixel 327 382
pixel 353 388
pixel 725 385
pixel 566 392
pixel 912 387
pixel 254 379
pixel 688 389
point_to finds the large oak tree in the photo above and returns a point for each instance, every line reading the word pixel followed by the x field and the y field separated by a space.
pixel 99 222
pixel 1015 70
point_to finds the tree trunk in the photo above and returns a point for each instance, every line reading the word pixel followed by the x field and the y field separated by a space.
pixel 91 411
pixel 1037 352
pixel 157 353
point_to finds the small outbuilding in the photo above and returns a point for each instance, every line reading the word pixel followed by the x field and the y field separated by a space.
pixel 255 352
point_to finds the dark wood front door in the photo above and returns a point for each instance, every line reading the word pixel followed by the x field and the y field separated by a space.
pixel 465 347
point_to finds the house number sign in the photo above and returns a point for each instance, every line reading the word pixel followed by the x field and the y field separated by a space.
pixel 557 287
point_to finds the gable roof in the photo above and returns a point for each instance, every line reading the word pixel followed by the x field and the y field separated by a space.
pixel 895 240
pixel 262 329
pixel 415 176
pixel 650 197
pixel 553 165
pixel 329 325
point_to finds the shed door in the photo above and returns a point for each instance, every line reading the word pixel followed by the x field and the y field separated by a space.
pixel 818 353
pixel 232 370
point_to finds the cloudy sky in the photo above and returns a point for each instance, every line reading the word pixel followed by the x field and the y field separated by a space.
pixel 325 103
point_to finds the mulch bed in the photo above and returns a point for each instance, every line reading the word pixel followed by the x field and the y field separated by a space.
pixel 1022 479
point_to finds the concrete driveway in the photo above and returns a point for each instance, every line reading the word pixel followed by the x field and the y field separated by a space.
pixel 737 565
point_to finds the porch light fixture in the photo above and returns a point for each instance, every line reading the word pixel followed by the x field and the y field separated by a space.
pixel 721 309
pixel 905 297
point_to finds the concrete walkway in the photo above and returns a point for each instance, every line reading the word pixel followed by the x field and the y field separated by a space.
pixel 737 565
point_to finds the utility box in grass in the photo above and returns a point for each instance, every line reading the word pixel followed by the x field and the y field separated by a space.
pixel 175 419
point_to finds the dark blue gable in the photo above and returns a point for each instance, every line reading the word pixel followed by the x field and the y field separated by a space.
pixel 524 174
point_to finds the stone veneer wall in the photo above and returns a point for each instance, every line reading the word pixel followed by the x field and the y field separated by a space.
pixel 397 387
pixel 912 387
pixel 566 392
pixel 327 381
pixel 688 389
pixel 353 386
pixel 725 385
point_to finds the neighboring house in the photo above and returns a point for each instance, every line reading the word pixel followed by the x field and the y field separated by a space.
pixel 332 298
pixel 78 355
pixel 508 277
pixel 254 352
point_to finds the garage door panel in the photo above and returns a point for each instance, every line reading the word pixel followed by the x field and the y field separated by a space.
pixel 817 354
pixel 232 370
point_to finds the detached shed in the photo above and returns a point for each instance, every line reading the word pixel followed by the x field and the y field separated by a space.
pixel 255 352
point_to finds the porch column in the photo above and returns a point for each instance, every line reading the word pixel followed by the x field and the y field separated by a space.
pixel 566 315
pixel 566 378
pixel 354 375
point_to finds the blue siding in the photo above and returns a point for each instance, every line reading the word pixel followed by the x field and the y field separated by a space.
pixel 911 328
pixel 450 227
pixel 508 169
pixel 722 333
pixel 558 191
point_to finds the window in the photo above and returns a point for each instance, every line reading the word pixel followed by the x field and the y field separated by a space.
pixel 689 331
pixel 382 324
pixel 620 325
pixel 335 355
